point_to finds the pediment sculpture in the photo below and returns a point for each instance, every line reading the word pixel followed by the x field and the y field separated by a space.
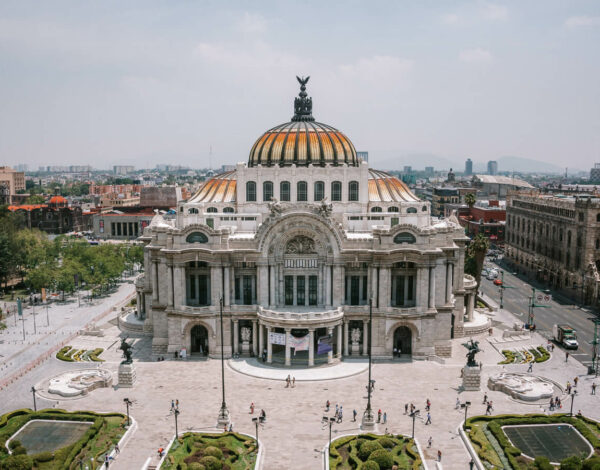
pixel 245 333
pixel 300 245
pixel 355 335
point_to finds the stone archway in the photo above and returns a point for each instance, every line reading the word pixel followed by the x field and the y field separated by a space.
pixel 402 341
pixel 199 340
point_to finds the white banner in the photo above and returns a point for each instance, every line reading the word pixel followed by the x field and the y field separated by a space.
pixel 541 298
pixel 299 344
pixel 277 338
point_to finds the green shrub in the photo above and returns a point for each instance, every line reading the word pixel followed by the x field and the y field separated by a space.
pixel 14 444
pixel 95 353
pixel 383 458
pixel 370 465
pixel 214 451
pixel 18 462
pixel 211 463
pixel 387 443
pixel 571 463
pixel 196 466
pixel 43 457
pixel 65 354
pixel 543 463
pixel 593 463
pixel 20 450
pixel 367 447
pixel 359 442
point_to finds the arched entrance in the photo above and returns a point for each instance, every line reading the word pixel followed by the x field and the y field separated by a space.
pixel 402 341
pixel 199 340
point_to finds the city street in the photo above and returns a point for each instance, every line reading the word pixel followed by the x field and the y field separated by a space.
pixel 516 300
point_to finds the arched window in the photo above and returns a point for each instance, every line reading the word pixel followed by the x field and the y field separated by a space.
pixel 228 210
pixel 302 191
pixel 393 209
pixel 251 191
pixel 284 191
pixel 405 237
pixel 411 210
pixel 319 190
pixel 196 237
pixel 212 210
pixel 192 210
pixel 267 191
pixel 336 191
pixel 424 208
pixel 376 209
pixel 353 191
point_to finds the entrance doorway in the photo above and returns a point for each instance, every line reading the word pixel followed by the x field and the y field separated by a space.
pixel 402 341
pixel 199 339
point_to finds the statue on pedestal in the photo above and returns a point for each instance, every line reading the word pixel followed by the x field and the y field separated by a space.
pixel 127 351
pixel 473 347
pixel 355 335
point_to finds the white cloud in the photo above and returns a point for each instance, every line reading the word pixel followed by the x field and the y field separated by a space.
pixel 450 18
pixel 577 21
pixel 475 55
pixel 252 23
pixel 495 12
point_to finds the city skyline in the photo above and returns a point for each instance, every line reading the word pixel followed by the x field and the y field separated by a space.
pixel 165 84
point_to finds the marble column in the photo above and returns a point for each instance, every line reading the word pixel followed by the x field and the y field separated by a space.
pixel 288 352
pixel 263 285
pixel 311 346
pixel 138 303
pixel 170 296
pixel 374 288
pixel 431 303
pixel 339 340
pixel 346 328
pixel 330 353
pixel 261 339
pixel 471 307
pixel 227 296
pixel 449 269
pixel 272 287
pixel 155 281
pixel 236 337
pixel 254 338
pixel 365 351
pixel 269 347
pixel 328 284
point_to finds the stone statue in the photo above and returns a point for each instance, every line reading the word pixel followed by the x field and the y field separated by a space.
pixel 275 207
pixel 324 209
pixel 355 335
pixel 473 347
pixel 127 351
pixel 245 334
pixel 300 245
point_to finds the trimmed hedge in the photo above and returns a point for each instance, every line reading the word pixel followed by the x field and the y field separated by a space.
pixel 358 450
pixel 63 354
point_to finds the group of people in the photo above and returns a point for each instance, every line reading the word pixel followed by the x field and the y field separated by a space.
pixel 290 381
pixel 174 405
pixel 555 403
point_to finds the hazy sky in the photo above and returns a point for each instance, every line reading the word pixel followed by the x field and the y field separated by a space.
pixel 146 82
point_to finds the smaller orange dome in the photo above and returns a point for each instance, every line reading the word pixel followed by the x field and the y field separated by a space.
pixel 57 200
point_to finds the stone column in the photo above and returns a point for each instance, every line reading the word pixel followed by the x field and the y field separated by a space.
pixel 261 339
pixel 365 351
pixel 311 346
pixel 269 347
pixel 138 303
pixel 449 269
pixel 272 297
pixel 346 328
pixel 254 338
pixel 154 281
pixel 215 285
pixel 179 286
pixel 374 288
pixel 471 307
pixel 330 353
pixel 227 293
pixel 431 303
pixel 339 341
pixel 170 296
pixel 288 355
pixel 327 284
pixel 262 293
pixel 236 337
pixel 384 280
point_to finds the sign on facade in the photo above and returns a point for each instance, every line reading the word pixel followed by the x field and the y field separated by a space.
pixel 277 338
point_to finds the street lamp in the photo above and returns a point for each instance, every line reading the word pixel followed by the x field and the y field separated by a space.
pixel 414 415
pixel 255 421
pixel 176 413
pixel 466 405
pixel 127 402
pixel 327 420
pixel 33 390
pixel 368 420
pixel 572 400
pixel 223 419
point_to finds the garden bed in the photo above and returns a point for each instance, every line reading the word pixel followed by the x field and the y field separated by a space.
pixel 69 354
pixel 102 434
pixel 208 451
pixel 494 448
pixel 524 356
pixel 374 452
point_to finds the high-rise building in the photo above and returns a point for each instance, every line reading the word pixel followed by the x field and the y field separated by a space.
pixel 11 182
pixel 595 173
pixel 492 167
pixel 407 169
pixel 429 170
pixel 123 169
pixel 469 167
pixel 22 167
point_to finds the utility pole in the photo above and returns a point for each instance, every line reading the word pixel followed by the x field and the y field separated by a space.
pixel 594 344
pixel 502 287
pixel 533 305
pixel 33 390
pixel 368 420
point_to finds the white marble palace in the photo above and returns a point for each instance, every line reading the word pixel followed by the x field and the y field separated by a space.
pixel 293 246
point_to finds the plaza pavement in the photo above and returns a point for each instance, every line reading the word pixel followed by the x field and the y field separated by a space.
pixel 293 436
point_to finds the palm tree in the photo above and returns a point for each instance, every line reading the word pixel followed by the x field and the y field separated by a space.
pixel 470 199
pixel 476 256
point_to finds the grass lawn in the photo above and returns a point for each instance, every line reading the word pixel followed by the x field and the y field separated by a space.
pixel 381 453
pixel 100 437
pixel 200 451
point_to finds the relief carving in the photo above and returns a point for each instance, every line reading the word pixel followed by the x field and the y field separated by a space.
pixel 300 245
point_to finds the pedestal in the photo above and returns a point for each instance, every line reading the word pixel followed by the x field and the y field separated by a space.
pixel 368 421
pixel 355 349
pixel 471 378
pixel 246 347
pixel 223 418
pixel 127 375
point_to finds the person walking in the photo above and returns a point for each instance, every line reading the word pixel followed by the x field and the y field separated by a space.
pixel 485 398
pixel 384 417
pixel 457 403
pixel 567 356
pixel 117 449
pixel 439 455
pixel 379 416
pixel 575 380
pixel 293 382
pixel 488 410
pixel 327 405
pixel 428 418
pixel 593 388
pixel 406 408
pixel 354 413
pixel 428 405
pixel 172 405
pixel 177 403
pixel 429 441
pixel 530 368
pixel 252 408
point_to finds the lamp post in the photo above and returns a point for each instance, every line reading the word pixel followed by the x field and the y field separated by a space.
pixel 414 415
pixel 328 421
pixel 502 287
pixel 176 413
pixel 127 402
pixel 33 390
pixel 255 421
pixel 223 419
pixel 572 400
pixel 466 405
pixel 368 420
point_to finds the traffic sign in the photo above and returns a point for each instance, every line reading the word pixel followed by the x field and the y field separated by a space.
pixel 541 298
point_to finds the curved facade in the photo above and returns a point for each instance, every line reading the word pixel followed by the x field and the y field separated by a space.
pixel 295 254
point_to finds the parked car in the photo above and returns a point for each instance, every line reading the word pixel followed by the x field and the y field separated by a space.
pixel 498 282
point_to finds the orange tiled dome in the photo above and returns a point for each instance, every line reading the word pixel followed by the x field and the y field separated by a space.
pixel 57 200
